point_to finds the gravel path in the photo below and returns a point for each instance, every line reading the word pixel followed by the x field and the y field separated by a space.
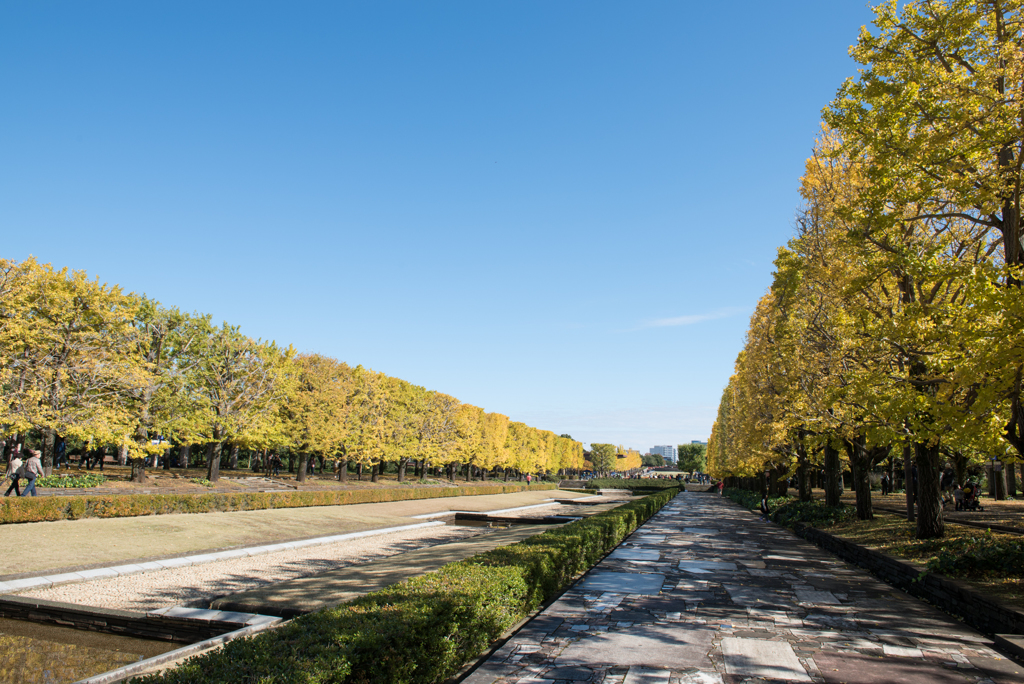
pixel 196 586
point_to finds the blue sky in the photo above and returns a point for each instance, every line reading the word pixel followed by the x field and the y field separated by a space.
pixel 560 211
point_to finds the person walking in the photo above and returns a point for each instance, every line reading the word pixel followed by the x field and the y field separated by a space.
pixel 31 469
pixel 885 484
pixel 528 479
pixel 14 474
pixel 721 487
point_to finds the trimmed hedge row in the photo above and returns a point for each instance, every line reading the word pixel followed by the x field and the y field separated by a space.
pixel 631 485
pixel 44 508
pixel 422 630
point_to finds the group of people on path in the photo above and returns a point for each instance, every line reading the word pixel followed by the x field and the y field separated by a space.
pixel 29 469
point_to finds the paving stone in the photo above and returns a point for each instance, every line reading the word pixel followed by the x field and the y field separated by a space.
pixel 648 645
pixel 857 668
pixel 635 554
pixel 644 675
pixel 704 567
pixel 573 674
pixel 761 658
pixel 633 583
pixel 818 597
pixel 700 530
pixel 901 651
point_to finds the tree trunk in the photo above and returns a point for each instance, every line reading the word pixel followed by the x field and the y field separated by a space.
pixel 138 469
pixel 184 453
pixel 451 472
pixel 343 470
pixel 122 454
pixel 929 503
pixel 1011 479
pixel 803 482
pixel 908 482
pixel 483 474
pixel 402 464
pixel 374 470
pixel 506 474
pixel 469 472
pixel 233 457
pixel 213 453
pixel 303 464
pixel 49 439
pixel 999 480
pixel 833 483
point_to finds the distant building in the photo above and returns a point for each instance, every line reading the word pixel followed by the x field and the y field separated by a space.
pixel 667 452
pixel 697 441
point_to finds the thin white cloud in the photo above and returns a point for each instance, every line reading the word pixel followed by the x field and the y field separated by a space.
pixel 691 319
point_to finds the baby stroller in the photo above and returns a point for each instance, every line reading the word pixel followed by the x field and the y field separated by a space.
pixel 971 502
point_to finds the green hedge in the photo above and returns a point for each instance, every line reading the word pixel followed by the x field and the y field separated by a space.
pixel 41 508
pixel 422 630
pixel 979 556
pixel 631 485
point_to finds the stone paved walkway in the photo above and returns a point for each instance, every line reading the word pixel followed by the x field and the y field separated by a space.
pixel 706 593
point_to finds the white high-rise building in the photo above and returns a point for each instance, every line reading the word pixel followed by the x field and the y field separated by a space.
pixel 667 452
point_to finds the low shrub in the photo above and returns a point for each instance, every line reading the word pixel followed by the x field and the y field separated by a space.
pixel 200 481
pixel 979 556
pixel 42 508
pixel 631 485
pixel 68 481
pixel 421 630
pixel 752 500
pixel 814 513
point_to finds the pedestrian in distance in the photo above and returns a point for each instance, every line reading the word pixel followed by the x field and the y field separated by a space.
pixel 958 497
pixel 765 510
pixel 528 479
pixel 885 484
pixel 14 474
pixel 30 470
pixel 721 487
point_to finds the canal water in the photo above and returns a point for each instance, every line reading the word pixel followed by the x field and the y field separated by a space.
pixel 32 653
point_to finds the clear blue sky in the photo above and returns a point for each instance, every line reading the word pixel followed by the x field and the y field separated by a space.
pixel 561 211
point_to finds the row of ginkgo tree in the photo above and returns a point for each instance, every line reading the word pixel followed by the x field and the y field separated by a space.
pixel 895 322
pixel 82 360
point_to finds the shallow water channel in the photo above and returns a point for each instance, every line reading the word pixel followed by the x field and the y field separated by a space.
pixel 47 654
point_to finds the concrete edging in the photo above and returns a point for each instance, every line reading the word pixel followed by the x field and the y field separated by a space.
pixel 952 596
pixel 147 665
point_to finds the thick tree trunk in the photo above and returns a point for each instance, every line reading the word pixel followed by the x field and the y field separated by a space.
pixel 833 481
pixel 343 470
pixel 506 474
pixel 929 503
pixel 469 472
pixel 803 482
pixel 233 458
pixel 908 482
pixel 483 474
pixel 184 453
pixel 1011 479
pixel 49 439
pixel 213 454
pixel 122 454
pixel 303 465
pixel 374 471
pixel 402 463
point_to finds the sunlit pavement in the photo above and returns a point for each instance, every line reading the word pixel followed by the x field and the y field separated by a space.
pixel 706 593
